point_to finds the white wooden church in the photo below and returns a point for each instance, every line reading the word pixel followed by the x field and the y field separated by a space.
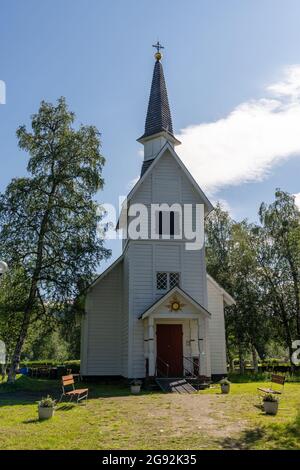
pixel 155 312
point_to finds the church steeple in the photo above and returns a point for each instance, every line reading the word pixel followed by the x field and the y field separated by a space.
pixel 158 125
pixel 158 115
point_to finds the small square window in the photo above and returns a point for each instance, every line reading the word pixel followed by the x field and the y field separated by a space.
pixel 161 281
pixel 173 280
pixel 166 281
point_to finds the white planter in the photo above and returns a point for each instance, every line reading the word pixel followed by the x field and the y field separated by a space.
pixel 45 413
pixel 135 389
pixel 225 388
pixel 271 407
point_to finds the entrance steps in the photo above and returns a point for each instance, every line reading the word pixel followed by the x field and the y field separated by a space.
pixel 175 385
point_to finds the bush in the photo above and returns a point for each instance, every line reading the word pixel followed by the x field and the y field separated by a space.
pixel 250 376
pixel 63 367
pixel 47 402
pixel 235 377
pixel 49 362
pixel 269 397
pixel 224 381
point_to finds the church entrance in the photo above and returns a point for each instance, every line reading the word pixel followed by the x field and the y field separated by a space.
pixel 169 356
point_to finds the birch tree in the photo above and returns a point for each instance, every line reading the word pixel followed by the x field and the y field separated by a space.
pixel 48 219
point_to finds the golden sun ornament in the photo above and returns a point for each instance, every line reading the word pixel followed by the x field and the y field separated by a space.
pixel 175 305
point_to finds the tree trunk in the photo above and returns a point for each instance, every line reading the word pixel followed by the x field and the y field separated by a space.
pixel 295 276
pixel 229 355
pixel 231 364
pixel 254 359
pixel 15 360
pixel 288 336
pixel 241 360
pixel 3 371
pixel 33 291
pixel 291 351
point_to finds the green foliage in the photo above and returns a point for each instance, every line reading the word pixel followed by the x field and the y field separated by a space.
pixel 47 402
pixel 44 346
pixel 224 382
pixel 278 240
pixel 270 398
pixel 49 220
pixel 259 265
pixel 249 377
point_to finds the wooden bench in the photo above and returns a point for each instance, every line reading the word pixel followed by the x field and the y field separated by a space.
pixel 78 393
pixel 276 379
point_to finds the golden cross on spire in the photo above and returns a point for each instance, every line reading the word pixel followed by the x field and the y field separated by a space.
pixel 158 47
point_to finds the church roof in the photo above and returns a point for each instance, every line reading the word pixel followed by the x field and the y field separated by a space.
pixel 145 166
pixel 158 117
pixel 228 299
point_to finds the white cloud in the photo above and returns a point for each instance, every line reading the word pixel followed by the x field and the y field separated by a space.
pixel 244 146
pixel 132 183
pixel 224 205
pixel 297 199
pixel 140 153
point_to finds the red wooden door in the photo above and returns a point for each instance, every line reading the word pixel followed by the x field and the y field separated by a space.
pixel 169 350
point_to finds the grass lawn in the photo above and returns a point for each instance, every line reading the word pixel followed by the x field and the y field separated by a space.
pixel 114 419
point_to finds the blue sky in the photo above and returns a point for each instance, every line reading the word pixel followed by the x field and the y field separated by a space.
pixel 232 72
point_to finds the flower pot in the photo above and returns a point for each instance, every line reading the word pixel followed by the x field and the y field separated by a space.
pixel 225 388
pixel 271 407
pixel 45 413
pixel 135 389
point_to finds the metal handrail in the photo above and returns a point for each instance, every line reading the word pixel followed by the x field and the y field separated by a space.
pixel 165 363
pixel 191 360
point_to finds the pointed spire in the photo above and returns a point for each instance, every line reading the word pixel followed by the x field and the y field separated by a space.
pixel 158 115
pixel 158 125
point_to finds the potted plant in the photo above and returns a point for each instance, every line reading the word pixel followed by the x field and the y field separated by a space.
pixel 46 407
pixel 270 404
pixel 225 385
pixel 136 386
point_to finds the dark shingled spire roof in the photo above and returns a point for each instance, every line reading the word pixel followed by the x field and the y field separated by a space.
pixel 158 115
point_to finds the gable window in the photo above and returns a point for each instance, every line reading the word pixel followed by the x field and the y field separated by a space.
pixel 161 281
pixel 166 281
pixel 166 223
pixel 160 223
pixel 172 223
pixel 173 280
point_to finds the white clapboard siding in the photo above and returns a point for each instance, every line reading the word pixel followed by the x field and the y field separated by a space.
pixel 216 329
pixel 141 296
pixel 112 333
pixel 167 256
pixel 193 276
pixel 166 181
pixel 104 326
pixel 165 184
pixel 125 318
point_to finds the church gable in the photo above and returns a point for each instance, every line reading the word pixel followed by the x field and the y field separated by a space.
pixel 167 180
pixel 175 303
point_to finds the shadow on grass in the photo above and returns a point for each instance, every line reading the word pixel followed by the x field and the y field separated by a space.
pixel 28 384
pixel 27 390
pixel 61 408
pixel 32 421
pixel 65 407
pixel 269 436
